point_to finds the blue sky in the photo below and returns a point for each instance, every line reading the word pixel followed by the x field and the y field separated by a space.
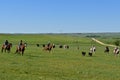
pixel 59 16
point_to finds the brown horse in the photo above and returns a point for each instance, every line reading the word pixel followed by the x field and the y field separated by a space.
pixel 21 49
pixel 6 48
pixel 48 48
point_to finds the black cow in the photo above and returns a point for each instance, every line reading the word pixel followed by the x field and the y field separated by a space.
pixel 37 45
pixel 83 53
pixel 90 54
pixel 107 49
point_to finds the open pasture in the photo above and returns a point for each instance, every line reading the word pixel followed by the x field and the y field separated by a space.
pixel 59 64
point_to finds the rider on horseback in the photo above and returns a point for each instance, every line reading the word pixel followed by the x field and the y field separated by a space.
pixel 6 43
pixel 48 44
pixel 20 44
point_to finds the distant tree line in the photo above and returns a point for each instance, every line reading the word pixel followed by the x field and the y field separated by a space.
pixel 95 36
pixel 117 42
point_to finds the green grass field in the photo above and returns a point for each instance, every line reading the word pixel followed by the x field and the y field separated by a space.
pixel 59 64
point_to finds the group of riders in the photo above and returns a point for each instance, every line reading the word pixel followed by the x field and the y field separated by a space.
pixel 6 43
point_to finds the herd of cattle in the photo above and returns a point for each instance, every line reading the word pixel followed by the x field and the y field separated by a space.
pixel 51 46
pixel 93 49
pixel 90 53
pixel 60 46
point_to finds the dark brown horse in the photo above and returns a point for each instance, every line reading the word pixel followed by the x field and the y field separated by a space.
pixel 20 49
pixel 6 48
pixel 48 48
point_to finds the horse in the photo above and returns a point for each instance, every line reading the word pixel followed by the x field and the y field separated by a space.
pixel 48 48
pixel 8 47
pixel 21 49
pixel 107 49
pixel 116 51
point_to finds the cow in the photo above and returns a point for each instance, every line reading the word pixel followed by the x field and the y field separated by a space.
pixel 92 49
pixel 60 46
pixel 83 53
pixel 106 49
pixel 116 51
pixel 90 54
pixel 37 45
pixel 66 47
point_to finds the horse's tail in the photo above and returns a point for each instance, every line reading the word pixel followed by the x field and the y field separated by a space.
pixel 17 49
pixel 3 46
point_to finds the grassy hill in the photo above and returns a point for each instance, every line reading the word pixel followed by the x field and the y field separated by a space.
pixel 59 64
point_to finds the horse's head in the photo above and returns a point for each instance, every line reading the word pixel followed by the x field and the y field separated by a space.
pixel 51 46
pixel 10 44
pixel 23 45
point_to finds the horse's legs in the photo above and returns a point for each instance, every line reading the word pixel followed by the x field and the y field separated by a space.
pixel 22 53
pixel 50 49
pixel 9 51
pixel 2 50
pixel 5 50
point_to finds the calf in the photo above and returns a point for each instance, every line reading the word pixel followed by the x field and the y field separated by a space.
pixel 90 54
pixel 60 46
pixel 43 45
pixel 37 45
pixel 83 53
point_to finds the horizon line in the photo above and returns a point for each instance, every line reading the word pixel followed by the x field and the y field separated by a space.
pixel 60 33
